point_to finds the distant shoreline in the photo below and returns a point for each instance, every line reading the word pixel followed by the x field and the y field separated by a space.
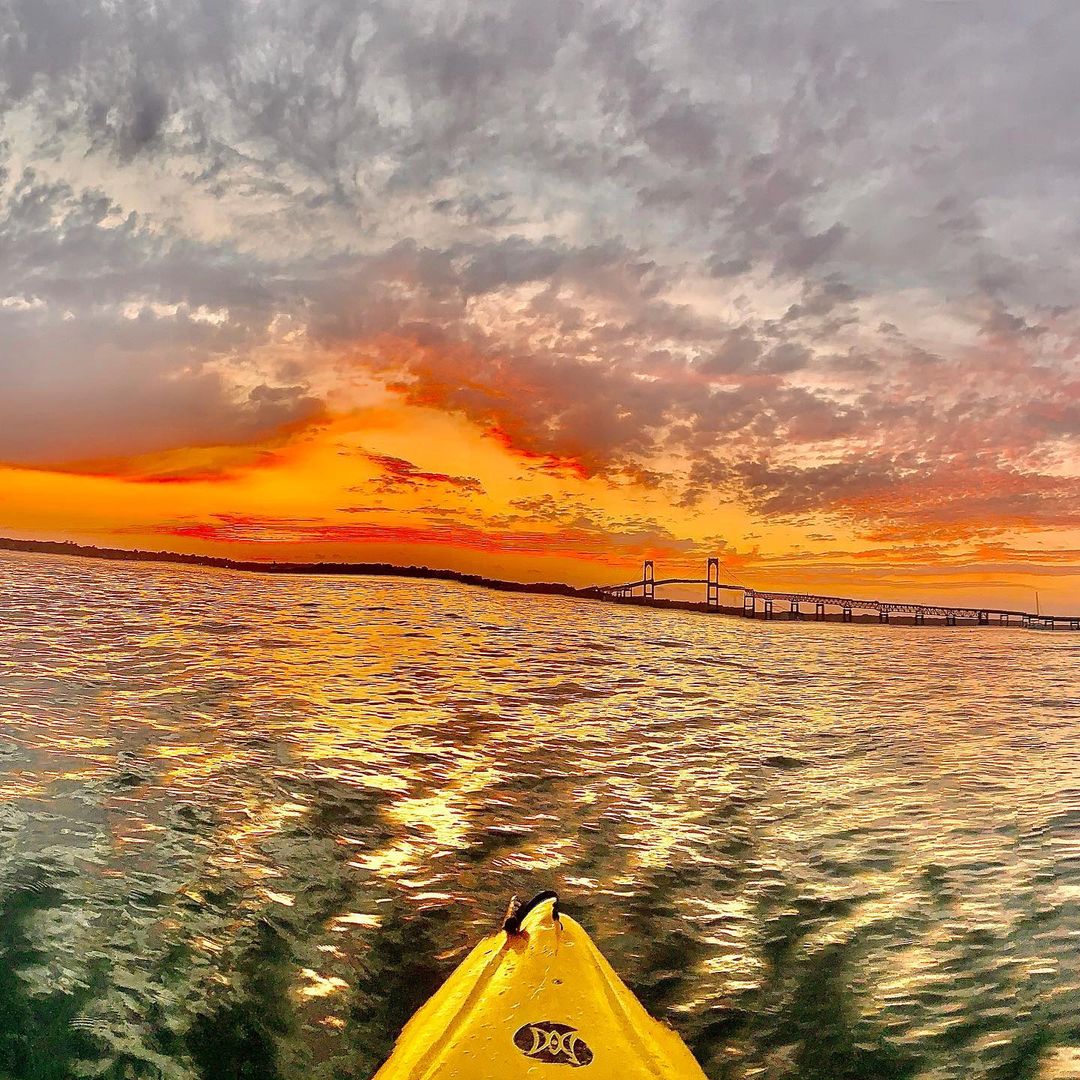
pixel 50 547
pixel 335 569
pixel 322 569
pixel 424 573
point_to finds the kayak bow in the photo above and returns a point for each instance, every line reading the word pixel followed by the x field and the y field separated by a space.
pixel 530 1002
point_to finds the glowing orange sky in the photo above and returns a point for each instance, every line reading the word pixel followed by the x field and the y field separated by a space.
pixel 399 483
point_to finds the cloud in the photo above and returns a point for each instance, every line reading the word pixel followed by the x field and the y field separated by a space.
pixel 582 540
pixel 897 503
pixel 805 255
pixel 115 341
pixel 397 473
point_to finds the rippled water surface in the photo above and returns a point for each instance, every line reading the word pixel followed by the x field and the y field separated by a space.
pixel 248 824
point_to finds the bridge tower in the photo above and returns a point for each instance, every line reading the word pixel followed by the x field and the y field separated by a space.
pixel 648 579
pixel 712 583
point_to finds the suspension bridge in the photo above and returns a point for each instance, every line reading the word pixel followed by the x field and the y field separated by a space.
pixel 842 608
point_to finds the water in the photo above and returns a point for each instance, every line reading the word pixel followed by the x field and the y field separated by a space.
pixel 248 824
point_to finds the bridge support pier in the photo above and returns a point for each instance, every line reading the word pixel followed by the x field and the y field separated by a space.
pixel 950 619
pixel 1074 624
pixel 846 615
pixel 768 609
pixel 796 611
pixel 883 616
pixel 749 605
pixel 1003 619
pixel 712 583
pixel 648 578
pixel 920 618
pixel 984 618
pixel 819 612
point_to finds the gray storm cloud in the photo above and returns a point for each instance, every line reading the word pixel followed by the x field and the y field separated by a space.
pixel 794 250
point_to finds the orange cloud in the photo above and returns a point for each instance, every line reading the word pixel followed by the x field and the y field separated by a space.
pixel 397 473
pixel 594 545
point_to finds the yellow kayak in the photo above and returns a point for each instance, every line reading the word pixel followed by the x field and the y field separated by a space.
pixel 531 1002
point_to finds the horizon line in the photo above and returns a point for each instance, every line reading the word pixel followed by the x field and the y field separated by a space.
pixel 384 569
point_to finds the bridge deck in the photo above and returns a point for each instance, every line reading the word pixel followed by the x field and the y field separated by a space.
pixel 848 603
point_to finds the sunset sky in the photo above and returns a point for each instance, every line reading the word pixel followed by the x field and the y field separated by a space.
pixel 539 289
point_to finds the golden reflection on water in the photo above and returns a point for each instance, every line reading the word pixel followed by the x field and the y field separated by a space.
pixel 259 819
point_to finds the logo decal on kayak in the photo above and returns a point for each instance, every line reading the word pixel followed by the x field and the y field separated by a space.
pixel 552 1043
